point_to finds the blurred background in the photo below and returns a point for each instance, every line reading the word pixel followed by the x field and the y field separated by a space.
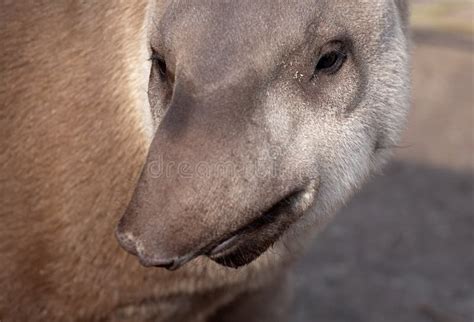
pixel 403 249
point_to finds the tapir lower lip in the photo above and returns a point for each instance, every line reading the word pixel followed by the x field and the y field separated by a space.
pixel 249 242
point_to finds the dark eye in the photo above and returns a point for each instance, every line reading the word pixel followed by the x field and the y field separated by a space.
pixel 160 64
pixel 331 62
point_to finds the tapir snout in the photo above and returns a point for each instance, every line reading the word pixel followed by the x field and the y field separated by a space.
pixel 197 189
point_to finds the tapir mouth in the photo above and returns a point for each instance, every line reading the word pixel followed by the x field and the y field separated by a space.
pixel 247 243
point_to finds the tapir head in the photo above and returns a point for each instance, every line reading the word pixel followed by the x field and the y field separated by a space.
pixel 269 112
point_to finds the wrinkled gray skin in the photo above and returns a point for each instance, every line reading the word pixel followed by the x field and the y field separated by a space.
pixel 253 144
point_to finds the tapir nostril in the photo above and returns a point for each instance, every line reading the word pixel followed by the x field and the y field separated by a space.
pixel 149 257
pixel 126 242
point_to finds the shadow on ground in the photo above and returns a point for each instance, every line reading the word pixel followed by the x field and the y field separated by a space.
pixel 402 250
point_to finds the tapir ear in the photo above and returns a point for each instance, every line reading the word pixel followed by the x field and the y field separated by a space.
pixel 404 11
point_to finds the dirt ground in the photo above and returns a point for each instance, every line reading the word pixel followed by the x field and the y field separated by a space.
pixel 403 249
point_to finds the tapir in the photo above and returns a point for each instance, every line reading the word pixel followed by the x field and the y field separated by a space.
pixel 169 160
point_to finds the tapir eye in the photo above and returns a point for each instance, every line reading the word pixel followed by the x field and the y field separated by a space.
pixel 160 82
pixel 160 64
pixel 331 60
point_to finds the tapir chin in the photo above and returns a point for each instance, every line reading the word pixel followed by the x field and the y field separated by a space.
pixel 210 139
